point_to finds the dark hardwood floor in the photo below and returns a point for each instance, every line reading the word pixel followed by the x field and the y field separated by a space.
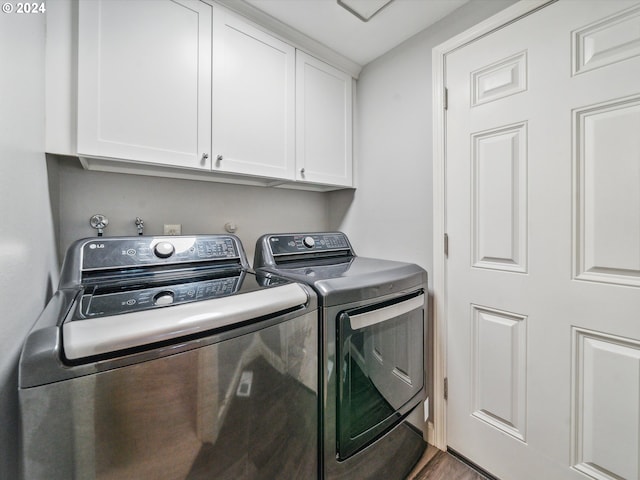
pixel 438 465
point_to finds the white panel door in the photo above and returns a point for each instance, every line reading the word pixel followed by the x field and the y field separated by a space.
pixel 144 81
pixel 323 123
pixel 253 100
pixel 543 219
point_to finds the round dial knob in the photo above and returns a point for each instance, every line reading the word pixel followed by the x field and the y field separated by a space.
pixel 164 250
pixel 163 298
pixel 309 242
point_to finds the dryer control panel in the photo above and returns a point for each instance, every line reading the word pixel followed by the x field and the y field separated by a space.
pixel 308 242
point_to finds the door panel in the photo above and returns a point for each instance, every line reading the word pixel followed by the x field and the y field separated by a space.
pixel 599 396
pixel 499 376
pixel 499 198
pixel 609 40
pixel 543 218
pixel 500 79
pixel 608 148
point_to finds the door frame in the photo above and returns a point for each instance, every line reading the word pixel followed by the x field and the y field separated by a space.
pixel 438 437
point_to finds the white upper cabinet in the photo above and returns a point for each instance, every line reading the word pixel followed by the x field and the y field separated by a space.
pixel 190 89
pixel 323 123
pixel 253 100
pixel 144 81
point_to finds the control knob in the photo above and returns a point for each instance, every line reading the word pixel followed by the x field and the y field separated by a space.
pixel 164 250
pixel 309 242
pixel 163 298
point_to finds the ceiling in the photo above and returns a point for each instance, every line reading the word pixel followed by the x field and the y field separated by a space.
pixel 330 24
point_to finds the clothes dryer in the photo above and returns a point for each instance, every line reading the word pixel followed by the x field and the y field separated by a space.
pixel 372 344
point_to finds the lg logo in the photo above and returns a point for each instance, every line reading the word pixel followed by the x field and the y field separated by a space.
pixel 93 246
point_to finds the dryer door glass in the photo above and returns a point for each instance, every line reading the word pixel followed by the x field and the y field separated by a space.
pixel 381 369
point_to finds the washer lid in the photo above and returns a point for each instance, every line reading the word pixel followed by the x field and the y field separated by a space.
pixel 107 334
pixel 142 293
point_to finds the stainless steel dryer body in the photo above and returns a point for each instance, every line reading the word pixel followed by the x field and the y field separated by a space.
pixel 165 358
pixel 372 343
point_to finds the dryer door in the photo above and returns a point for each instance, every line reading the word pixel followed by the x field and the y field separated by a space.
pixel 380 370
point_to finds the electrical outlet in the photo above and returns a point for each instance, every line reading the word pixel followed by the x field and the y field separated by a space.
pixel 172 229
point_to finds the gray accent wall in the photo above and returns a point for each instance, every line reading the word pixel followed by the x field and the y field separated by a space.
pixel 199 206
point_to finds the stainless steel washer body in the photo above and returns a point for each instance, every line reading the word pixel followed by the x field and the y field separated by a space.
pixel 372 343
pixel 166 358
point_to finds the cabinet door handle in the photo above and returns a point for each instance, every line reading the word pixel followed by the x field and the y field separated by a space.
pixel 204 157
pixel 302 171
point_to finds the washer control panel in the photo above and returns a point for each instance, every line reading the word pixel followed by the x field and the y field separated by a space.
pixel 101 304
pixel 308 242
pixel 108 253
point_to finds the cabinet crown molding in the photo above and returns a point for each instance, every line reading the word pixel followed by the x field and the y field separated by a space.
pixel 290 35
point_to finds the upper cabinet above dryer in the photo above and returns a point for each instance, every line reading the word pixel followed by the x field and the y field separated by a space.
pixel 144 81
pixel 323 122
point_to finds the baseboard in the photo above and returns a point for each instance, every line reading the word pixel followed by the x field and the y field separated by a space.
pixel 466 461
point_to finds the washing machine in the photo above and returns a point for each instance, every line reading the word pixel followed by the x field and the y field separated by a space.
pixel 372 346
pixel 166 358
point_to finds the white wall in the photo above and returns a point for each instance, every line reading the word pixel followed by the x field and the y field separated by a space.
pixel 28 270
pixel 393 146
pixel 199 206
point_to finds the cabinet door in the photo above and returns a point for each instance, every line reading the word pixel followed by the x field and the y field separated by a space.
pixel 323 123
pixel 253 100
pixel 144 81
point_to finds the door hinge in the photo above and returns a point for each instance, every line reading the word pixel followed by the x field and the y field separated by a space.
pixel 446 388
pixel 446 99
pixel 446 244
